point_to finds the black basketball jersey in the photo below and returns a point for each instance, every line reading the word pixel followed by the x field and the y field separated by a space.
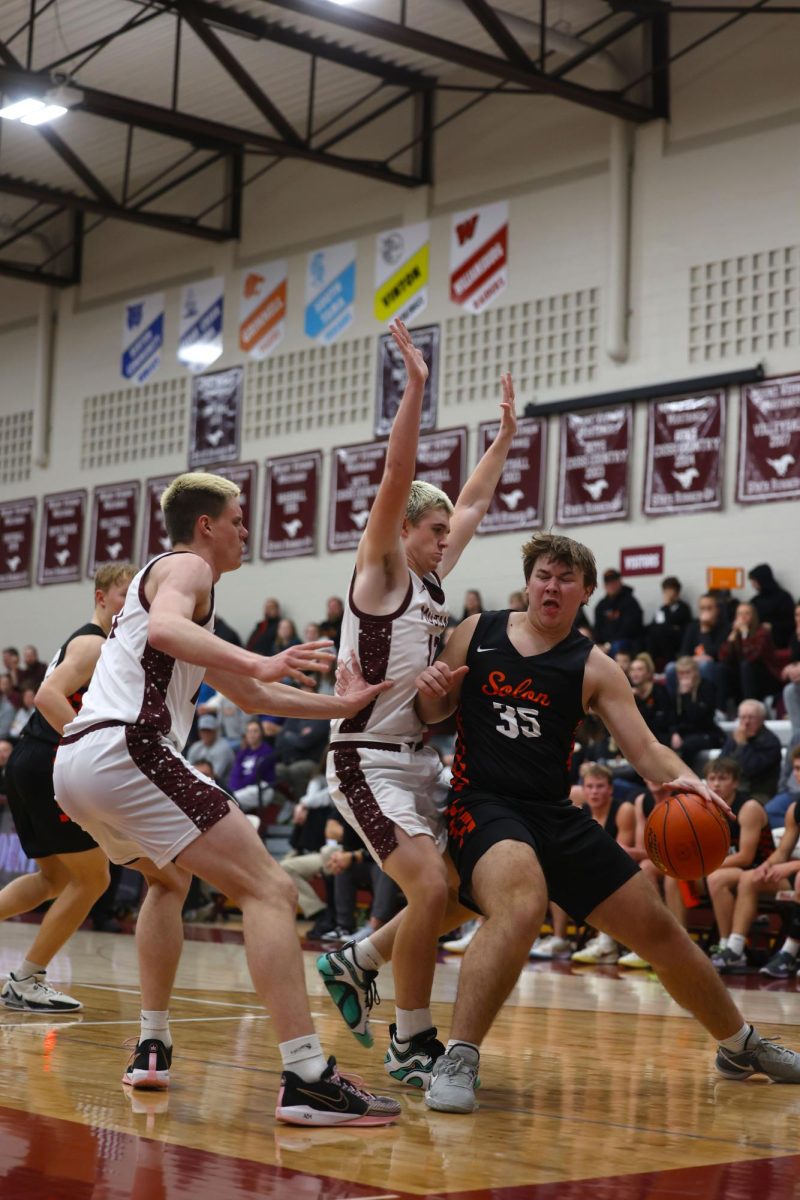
pixel 610 823
pixel 766 842
pixel 36 726
pixel 517 717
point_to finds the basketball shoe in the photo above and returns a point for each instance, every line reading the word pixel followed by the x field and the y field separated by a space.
pixel 728 962
pixel 781 966
pixel 759 1057
pixel 601 951
pixel 453 1081
pixel 411 1062
pixel 352 989
pixel 551 947
pixel 634 961
pixel 33 993
pixel 149 1066
pixel 331 1100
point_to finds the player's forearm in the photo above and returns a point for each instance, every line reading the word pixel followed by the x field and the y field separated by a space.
pixel 182 639
pixel 55 708
pixel 401 452
pixel 283 701
pixel 480 487
pixel 657 762
pixel 433 709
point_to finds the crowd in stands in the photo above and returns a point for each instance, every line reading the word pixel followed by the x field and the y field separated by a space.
pixel 714 684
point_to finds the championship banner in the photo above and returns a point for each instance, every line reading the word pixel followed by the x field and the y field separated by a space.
pixel 685 449
pixel 769 441
pixel 330 291
pixel 392 378
pixel 63 515
pixel 262 308
pixel 200 331
pixel 244 476
pixel 518 501
pixel 142 337
pixel 216 417
pixel 402 272
pixel 291 490
pixel 154 531
pixel 356 473
pixel 593 466
pixel 441 460
pixel 16 543
pixel 113 524
pixel 479 256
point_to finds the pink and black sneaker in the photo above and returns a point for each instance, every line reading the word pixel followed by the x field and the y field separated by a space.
pixel 149 1066
pixel 332 1100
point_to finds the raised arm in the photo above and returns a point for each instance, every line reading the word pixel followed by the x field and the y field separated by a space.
pixel 476 494
pixel 72 673
pixel 282 701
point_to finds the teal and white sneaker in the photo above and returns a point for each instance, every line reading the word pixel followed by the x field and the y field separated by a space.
pixel 411 1062
pixel 352 989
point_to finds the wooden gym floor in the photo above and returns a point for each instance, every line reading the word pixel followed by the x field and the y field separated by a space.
pixel 595 1087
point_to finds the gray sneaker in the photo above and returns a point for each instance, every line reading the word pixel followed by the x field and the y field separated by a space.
pixel 764 1057
pixel 452 1085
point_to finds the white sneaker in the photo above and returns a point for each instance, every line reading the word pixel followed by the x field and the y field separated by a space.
pixel 601 951
pixel 459 945
pixel 34 994
pixel 551 947
pixel 632 959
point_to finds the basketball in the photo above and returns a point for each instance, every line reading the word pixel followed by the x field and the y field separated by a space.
pixel 685 837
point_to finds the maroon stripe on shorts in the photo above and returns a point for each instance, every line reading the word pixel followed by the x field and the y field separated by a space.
pixel 200 800
pixel 374 646
pixel 378 829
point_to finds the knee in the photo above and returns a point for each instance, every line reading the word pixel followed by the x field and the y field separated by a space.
pixel 432 893
pixel 274 887
pixel 524 912
pixel 98 878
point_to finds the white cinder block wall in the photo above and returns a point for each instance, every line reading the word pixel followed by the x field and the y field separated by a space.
pixel 721 180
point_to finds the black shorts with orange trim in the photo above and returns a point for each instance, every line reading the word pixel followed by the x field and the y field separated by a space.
pixel 42 827
pixel 582 864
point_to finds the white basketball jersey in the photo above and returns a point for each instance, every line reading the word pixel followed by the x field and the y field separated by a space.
pixel 135 684
pixel 397 647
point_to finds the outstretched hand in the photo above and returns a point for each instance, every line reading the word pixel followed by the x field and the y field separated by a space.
pixel 413 358
pixel 295 661
pixel 690 783
pixel 439 680
pixel 352 688
pixel 508 409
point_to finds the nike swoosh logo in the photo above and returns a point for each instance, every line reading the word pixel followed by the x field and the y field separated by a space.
pixel 340 1105
pixel 485 649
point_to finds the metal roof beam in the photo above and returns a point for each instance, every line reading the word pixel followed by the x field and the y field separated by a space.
pixel 595 48
pixel 499 32
pixel 466 56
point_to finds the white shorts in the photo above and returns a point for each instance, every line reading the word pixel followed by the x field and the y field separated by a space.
pixel 134 793
pixel 375 789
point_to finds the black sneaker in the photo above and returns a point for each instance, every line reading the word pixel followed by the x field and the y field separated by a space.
pixel 412 1062
pixel 781 966
pixel 332 1100
pixel 149 1066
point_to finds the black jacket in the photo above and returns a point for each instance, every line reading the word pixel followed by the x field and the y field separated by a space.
pixel 709 639
pixel 695 713
pixel 773 604
pixel 618 617
pixel 759 759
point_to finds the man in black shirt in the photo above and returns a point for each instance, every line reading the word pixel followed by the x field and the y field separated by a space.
pixel 617 617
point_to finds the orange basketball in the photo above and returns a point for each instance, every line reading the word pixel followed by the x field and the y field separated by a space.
pixel 685 837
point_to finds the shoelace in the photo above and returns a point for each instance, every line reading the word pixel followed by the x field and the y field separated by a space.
pixel 450 1064
pixel 371 997
pixel 352 1083
pixel 784 1054
pixel 44 990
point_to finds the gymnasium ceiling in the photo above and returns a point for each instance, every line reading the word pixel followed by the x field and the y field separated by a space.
pixel 222 91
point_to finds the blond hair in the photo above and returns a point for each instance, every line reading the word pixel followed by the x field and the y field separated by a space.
pixel 422 498
pixel 110 574
pixel 562 550
pixel 193 495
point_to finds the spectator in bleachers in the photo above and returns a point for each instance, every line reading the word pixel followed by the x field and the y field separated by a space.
pixel 5 754
pixel 212 747
pixel 331 626
pixel 756 749
pixel 623 659
pixel 617 617
pixel 8 710
pixel 748 657
pixel 774 605
pixel 225 631
pixel 788 789
pixel 32 671
pixel 791 677
pixel 232 720
pixel 23 713
pixel 299 744
pixel 772 876
pixel 473 604
pixel 285 635
pixel 12 668
pixel 518 602
pixel 693 726
pixel 261 639
pixel 665 632
pixel 316 836
pixel 702 641
pixel 652 699
pixel 253 769
pixel 354 869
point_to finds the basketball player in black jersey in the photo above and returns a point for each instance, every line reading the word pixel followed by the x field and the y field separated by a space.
pixel 521 682
pixel 71 867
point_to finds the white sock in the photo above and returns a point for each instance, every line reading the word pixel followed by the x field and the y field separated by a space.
pixel 737 943
pixel 723 943
pixel 411 1021
pixel 155 1024
pixel 466 1050
pixel 791 946
pixel 365 956
pixel 738 1041
pixel 27 968
pixel 304 1056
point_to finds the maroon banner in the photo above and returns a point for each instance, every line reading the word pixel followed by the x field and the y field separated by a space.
pixel 518 501
pixel 216 417
pixel 63 515
pixel 392 377
pixel 291 492
pixel 244 476
pixel 593 466
pixel 154 531
pixel 114 510
pixel 441 460
pixel 641 560
pixel 685 451
pixel 355 476
pixel 769 441
pixel 17 519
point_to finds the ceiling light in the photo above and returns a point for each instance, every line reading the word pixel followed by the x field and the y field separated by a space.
pixel 46 112
pixel 200 354
pixel 22 108
pixel 35 110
